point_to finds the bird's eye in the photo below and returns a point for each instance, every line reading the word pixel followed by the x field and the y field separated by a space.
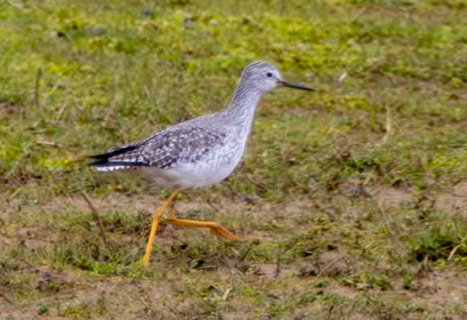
pixel 269 74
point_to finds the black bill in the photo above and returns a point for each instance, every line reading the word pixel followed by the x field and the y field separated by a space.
pixel 295 85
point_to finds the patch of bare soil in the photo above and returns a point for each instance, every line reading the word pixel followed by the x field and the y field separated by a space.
pixel 63 295
pixel 441 291
pixel 330 263
pixel 219 209
pixel 147 203
pixel 454 199
pixel 391 198
pixel 450 200
pixel 112 203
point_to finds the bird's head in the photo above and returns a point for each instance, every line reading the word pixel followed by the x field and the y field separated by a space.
pixel 264 77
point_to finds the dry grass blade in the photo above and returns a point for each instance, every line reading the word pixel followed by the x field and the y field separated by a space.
pixel 454 250
pixel 96 217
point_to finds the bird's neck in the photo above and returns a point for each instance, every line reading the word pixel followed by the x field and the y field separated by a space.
pixel 241 109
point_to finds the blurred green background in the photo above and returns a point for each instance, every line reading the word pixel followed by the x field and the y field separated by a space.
pixel 353 197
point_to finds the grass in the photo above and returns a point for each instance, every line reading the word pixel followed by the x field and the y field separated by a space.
pixel 352 198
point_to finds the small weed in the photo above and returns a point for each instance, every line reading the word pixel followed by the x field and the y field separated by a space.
pixel 368 281
pixel 443 240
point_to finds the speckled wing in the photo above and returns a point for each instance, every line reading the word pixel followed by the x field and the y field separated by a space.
pixel 164 150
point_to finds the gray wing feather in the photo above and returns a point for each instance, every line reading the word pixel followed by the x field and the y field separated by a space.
pixel 165 149
pixel 180 145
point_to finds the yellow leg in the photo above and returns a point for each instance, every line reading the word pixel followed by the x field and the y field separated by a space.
pixel 213 226
pixel 155 223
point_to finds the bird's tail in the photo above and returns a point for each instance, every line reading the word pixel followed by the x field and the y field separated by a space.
pixel 116 159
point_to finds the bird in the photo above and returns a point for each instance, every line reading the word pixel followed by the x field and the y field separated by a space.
pixel 199 152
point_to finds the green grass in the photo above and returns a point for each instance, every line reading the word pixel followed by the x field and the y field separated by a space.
pixel 352 198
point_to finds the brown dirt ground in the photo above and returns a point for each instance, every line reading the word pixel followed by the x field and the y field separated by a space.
pixel 164 297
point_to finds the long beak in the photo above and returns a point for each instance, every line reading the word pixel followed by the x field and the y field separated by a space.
pixel 294 85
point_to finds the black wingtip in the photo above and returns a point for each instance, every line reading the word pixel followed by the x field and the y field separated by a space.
pixel 106 163
pixel 113 152
pixel 103 158
pixel 98 163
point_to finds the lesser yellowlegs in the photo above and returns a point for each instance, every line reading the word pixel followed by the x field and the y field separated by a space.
pixel 199 152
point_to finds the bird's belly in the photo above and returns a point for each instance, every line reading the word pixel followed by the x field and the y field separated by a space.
pixel 188 176
pixel 203 173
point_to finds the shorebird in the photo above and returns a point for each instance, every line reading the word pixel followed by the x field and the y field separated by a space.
pixel 199 152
